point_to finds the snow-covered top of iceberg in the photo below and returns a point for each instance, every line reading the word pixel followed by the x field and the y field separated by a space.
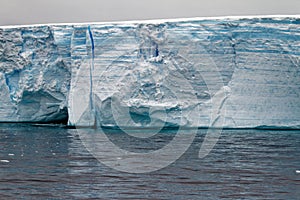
pixel 159 21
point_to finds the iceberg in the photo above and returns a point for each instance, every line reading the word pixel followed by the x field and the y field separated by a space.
pixel 232 72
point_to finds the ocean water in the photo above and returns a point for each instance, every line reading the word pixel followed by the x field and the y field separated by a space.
pixel 51 162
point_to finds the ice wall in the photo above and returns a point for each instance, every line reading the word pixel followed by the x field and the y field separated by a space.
pixel 34 77
pixel 229 72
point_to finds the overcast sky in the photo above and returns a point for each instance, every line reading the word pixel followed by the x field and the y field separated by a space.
pixel 57 11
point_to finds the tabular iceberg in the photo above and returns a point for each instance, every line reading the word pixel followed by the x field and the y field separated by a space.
pixel 235 72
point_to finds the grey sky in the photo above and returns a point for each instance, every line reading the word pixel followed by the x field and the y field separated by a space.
pixel 56 11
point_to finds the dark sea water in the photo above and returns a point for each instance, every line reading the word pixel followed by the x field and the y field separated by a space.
pixel 52 163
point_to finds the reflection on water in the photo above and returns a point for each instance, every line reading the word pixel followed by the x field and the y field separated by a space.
pixel 51 162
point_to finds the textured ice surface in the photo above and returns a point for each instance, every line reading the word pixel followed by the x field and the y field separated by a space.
pixel 231 72
pixel 34 78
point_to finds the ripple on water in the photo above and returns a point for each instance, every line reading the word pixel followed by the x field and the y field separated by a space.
pixel 245 164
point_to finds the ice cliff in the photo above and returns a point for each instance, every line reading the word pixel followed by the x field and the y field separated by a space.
pixel 232 72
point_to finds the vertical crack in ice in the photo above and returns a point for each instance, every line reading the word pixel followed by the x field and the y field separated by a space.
pixel 93 44
pixel 91 68
pixel 233 45
pixel 234 59
pixel 231 26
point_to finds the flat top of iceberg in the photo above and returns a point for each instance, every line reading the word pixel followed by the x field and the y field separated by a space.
pixel 157 21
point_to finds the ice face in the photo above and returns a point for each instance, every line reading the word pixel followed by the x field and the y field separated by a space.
pixel 35 80
pixel 228 72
